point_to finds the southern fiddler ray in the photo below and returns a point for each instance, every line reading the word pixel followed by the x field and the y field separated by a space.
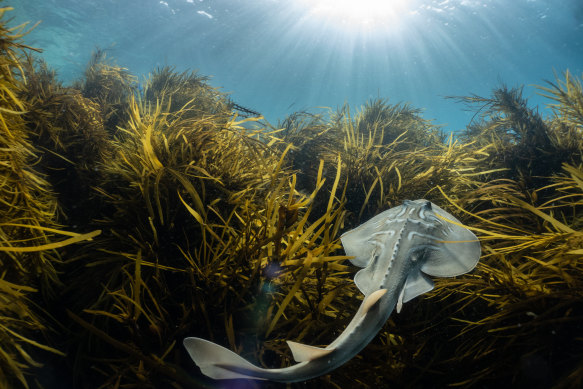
pixel 397 249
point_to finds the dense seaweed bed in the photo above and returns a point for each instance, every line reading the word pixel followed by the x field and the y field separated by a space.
pixel 136 213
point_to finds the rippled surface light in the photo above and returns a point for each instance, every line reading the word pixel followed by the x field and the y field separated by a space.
pixel 280 56
pixel 358 13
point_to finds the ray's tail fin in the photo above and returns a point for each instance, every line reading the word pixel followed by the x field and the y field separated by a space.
pixel 218 362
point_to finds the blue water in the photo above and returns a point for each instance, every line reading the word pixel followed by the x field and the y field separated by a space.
pixel 281 56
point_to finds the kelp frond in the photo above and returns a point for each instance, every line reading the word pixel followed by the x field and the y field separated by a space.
pixel 17 317
pixel 567 97
pixel 27 224
pixel 186 88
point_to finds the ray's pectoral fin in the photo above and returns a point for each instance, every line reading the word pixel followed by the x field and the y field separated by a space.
pixel 456 253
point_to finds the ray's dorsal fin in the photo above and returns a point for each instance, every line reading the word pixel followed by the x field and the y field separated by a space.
pixel 371 300
pixel 303 352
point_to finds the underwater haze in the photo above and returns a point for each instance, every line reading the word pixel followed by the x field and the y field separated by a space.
pixel 281 56
pixel 156 232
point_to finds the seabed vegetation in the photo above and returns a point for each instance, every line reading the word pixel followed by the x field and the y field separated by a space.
pixel 136 213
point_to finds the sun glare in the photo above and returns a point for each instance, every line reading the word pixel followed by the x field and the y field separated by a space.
pixel 358 12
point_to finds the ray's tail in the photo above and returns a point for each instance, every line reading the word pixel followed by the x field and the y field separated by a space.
pixel 220 363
